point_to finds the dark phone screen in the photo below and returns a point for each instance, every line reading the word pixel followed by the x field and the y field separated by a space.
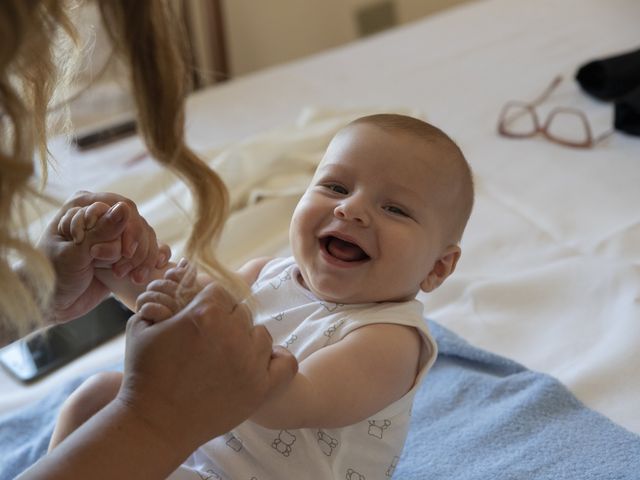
pixel 53 347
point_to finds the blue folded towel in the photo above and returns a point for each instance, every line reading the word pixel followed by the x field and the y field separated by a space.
pixel 24 435
pixel 482 416
pixel 476 416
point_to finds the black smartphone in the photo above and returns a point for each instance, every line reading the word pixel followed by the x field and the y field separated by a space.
pixel 105 135
pixel 45 350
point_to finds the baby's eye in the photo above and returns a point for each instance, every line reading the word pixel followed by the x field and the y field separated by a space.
pixel 396 210
pixel 334 187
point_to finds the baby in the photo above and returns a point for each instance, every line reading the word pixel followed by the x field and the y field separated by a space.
pixel 380 221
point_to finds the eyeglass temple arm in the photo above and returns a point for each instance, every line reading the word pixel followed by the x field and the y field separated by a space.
pixel 603 136
pixel 552 86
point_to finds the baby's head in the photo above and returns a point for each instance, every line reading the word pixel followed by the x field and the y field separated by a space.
pixel 384 213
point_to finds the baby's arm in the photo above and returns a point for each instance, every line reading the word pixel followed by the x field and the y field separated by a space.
pixel 127 278
pixel 348 381
pixel 249 271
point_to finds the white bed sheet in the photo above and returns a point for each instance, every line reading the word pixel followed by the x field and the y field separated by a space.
pixel 550 273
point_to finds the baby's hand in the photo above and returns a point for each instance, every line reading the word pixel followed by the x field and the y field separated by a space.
pixel 138 261
pixel 167 296
pixel 77 220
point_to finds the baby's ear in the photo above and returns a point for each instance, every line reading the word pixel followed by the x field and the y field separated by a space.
pixel 442 268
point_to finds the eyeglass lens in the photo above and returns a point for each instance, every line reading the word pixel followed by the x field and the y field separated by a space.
pixel 568 126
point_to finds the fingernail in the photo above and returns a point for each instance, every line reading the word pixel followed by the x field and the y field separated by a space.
pixel 183 262
pixel 78 240
pixel 122 270
pixel 116 213
pixel 132 249
pixel 141 275
pixel 162 259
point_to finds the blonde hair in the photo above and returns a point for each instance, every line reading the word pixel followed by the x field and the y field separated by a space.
pixel 149 39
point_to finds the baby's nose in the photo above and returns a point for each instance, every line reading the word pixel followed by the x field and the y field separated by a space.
pixel 352 209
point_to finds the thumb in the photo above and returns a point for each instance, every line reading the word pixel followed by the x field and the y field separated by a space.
pixel 112 223
pixel 283 366
pixel 135 325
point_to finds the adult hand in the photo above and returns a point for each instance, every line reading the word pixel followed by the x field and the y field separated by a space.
pixel 120 237
pixel 203 371
pixel 187 379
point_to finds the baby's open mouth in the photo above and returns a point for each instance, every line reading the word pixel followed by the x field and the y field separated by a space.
pixel 343 250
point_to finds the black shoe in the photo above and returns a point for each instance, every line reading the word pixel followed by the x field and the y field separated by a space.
pixel 627 113
pixel 611 78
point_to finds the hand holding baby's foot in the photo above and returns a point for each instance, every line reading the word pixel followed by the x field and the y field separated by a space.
pixel 167 296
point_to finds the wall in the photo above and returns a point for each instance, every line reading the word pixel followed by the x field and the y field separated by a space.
pixel 263 33
pixel 409 10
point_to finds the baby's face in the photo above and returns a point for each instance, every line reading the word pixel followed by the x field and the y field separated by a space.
pixel 368 228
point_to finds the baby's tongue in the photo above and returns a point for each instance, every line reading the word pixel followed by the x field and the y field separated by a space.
pixel 345 251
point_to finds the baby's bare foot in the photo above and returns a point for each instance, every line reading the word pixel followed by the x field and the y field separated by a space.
pixel 167 296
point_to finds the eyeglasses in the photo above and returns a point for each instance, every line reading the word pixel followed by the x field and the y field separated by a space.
pixel 563 125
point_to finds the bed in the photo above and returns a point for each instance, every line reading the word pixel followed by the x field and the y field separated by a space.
pixel 547 293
